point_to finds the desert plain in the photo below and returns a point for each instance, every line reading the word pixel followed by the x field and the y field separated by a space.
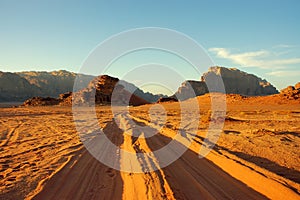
pixel 256 156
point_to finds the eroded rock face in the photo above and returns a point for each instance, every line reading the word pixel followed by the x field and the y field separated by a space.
pixel 189 89
pixel 239 82
pixel 291 92
pixel 109 90
pixel 234 82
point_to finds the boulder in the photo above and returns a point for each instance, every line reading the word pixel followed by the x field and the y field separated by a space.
pixel 291 92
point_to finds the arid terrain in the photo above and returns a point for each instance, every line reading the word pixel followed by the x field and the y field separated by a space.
pixel 256 157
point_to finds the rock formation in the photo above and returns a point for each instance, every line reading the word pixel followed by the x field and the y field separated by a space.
pixel 167 99
pixel 234 80
pixel 41 101
pixel 102 90
pixel 110 90
pixel 291 92
pixel 189 89
pixel 64 99
pixel 297 86
pixel 239 82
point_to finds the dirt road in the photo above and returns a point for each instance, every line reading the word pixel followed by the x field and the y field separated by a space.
pixel 189 177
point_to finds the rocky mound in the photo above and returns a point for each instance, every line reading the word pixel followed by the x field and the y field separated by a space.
pixel 167 99
pixel 109 90
pixel 64 99
pixel 235 82
pixel 291 92
pixel 41 101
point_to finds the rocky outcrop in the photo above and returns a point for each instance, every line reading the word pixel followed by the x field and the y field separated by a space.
pixel 105 89
pixel 234 80
pixel 239 82
pixel 189 89
pixel 167 99
pixel 64 99
pixel 23 85
pixel 41 101
pixel 297 86
pixel 291 92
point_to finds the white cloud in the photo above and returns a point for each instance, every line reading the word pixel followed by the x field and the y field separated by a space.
pixel 284 73
pixel 262 59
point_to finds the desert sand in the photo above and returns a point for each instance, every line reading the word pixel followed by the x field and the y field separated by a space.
pixel 256 157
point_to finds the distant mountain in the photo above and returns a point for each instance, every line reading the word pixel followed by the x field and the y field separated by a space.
pixel 16 88
pixel 235 82
pixel 23 85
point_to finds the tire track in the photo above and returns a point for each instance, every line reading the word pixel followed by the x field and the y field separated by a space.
pixel 11 136
pixel 149 185
pixel 84 177
pixel 194 178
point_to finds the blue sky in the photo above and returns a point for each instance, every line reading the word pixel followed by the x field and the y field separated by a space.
pixel 260 37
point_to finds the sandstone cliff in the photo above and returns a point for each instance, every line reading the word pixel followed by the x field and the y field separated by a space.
pixel 239 82
pixel 109 90
pixel 235 82
pixel 189 89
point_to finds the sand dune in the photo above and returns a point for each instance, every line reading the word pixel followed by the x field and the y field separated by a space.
pixel 256 156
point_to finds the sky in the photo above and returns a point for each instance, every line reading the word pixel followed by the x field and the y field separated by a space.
pixel 260 37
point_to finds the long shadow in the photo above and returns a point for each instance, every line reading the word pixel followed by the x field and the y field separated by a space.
pixel 267 164
pixel 193 178
pixel 285 172
pixel 84 177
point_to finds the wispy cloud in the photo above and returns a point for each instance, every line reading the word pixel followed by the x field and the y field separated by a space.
pixel 282 46
pixel 262 59
pixel 285 73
